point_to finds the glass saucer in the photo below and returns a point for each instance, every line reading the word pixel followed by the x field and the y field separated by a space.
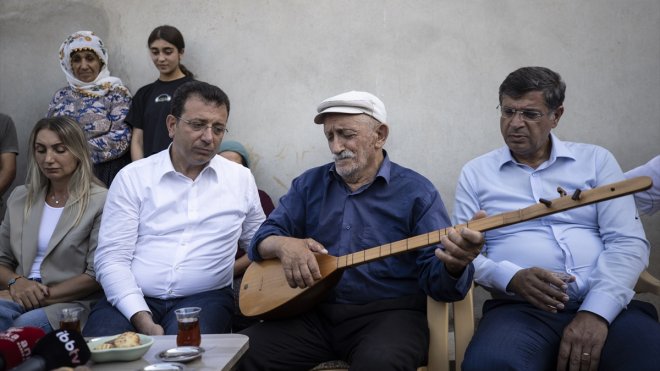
pixel 169 366
pixel 180 354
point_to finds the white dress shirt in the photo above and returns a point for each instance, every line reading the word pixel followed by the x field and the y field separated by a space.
pixel 165 236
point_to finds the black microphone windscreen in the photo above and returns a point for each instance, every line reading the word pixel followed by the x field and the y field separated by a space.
pixel 63 348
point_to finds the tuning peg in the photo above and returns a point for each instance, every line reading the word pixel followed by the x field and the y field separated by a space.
pixel 561 191
pixel 576 195
pixel 547 203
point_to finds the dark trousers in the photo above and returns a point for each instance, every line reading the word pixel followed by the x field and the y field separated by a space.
pixel 383 335
pixel 215 317
pixel 515 335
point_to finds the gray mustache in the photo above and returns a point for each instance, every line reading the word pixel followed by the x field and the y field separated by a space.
pixel 344 155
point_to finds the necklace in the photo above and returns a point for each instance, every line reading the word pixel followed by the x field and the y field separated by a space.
pixel 57 200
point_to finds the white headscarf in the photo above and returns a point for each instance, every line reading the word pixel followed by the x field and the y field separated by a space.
pixel 86 40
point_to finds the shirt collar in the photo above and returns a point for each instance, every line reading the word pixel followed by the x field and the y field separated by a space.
pixel 559 149
pixel 384 171
pixel 166 167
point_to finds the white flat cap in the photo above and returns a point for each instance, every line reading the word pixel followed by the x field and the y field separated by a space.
pixel 353 103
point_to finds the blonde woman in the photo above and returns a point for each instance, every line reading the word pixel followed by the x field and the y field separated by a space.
pixel 49 233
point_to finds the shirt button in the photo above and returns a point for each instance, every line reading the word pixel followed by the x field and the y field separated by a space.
pixel 169 292
pixel 348 227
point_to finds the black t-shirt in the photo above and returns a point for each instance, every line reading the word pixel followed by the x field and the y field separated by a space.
pixel 149 109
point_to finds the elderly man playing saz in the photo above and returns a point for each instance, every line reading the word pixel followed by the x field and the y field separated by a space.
pixel 374 318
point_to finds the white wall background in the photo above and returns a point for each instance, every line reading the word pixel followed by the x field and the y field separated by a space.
pixel 437 65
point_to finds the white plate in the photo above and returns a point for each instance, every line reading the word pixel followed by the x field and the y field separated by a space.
pixel 119 354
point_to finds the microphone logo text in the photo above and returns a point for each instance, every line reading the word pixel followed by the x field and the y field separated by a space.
pixel 70 346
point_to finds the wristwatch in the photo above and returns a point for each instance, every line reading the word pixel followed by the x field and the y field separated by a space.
pixel 13 281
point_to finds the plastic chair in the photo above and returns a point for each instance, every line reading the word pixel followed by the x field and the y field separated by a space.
pixel 438 317
pixel 647 283
pixel 438 321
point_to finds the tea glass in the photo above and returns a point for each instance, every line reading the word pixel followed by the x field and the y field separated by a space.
pixel 188 321
pixel 70 319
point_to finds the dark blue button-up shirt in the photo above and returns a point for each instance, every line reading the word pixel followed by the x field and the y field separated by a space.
pixel 398 204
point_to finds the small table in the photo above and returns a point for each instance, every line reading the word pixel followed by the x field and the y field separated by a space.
pixel 222 352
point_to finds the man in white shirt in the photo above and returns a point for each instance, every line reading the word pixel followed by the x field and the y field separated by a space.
pixel 171 226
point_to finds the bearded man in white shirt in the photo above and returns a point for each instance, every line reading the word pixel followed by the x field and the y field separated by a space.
pixel 171 226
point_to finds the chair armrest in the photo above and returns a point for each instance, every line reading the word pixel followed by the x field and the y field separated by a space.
pixel 463 326
pixel 647 283
pixel 438 321
pixel 437 313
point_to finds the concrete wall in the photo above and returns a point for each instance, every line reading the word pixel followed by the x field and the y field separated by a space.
pixel 436 64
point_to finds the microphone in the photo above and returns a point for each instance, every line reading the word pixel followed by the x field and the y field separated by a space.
pixel 16 345
pixel 60 348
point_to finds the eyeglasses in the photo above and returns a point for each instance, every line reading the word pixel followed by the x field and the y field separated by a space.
pixel 527 115
pixel 197 125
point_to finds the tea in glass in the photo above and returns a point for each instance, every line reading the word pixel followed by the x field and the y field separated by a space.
pixel 70 319
pixel 188 321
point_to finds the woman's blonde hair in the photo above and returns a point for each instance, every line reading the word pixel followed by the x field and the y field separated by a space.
pixel 80 184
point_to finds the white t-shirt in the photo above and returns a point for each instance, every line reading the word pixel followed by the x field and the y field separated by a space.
pixel 49 219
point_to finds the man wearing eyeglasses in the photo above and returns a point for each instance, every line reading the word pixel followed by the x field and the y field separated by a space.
pixel 562 285
pixel 171 225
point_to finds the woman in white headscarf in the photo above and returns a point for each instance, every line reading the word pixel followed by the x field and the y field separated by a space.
pixel 97 101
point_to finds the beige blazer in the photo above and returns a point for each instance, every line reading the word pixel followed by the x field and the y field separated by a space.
pixel 70 250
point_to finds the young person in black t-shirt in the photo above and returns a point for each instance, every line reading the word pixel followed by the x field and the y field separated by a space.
pixel 151 104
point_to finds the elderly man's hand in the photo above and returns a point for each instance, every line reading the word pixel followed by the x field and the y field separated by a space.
pixel 297 257
pixel 460 247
